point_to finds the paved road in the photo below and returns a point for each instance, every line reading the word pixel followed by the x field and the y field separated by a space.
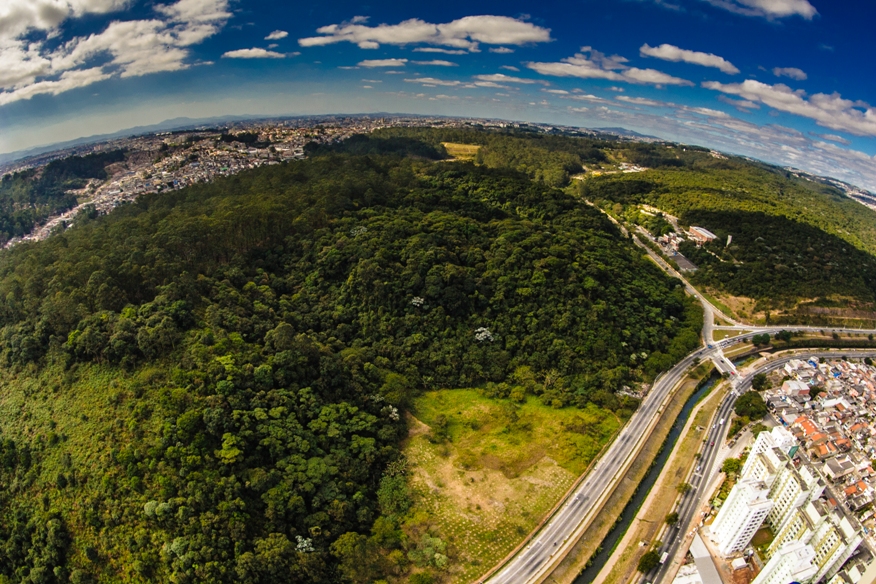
pixel 692 503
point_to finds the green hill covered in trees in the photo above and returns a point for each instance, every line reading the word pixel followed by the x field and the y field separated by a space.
pixel 209 385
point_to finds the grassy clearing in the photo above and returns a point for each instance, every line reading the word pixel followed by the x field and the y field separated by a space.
pixel 721 335
pixel 593 537
pixel 661 501
pixel 501 470
pixel 461 151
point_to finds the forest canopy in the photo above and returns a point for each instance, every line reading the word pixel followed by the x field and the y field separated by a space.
pixel 253 344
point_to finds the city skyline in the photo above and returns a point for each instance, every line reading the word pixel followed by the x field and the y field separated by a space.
pixel 780 80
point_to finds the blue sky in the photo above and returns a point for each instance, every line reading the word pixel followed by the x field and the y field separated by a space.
pixel 788 81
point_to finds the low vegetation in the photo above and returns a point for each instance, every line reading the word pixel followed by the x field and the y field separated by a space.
pixel 485 471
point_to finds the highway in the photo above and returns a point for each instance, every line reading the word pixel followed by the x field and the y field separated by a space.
pixel 546 549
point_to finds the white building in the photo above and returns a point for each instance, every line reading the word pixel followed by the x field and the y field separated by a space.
pixel 789 488
pixel 831 535
pixel 741 515
pixel 793 562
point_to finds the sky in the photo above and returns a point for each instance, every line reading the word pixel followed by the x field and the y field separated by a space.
pixel 786 81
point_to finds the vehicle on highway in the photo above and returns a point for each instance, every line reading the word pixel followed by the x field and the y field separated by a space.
pixel 664 557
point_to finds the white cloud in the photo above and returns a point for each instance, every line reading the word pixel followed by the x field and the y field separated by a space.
pixel 383 63
pixel 464 33
pixel 672 53
pixel 742 105
pixel 32 63
pixel 502 78
pixel 437 63
pixel 277 35
pixel 510 68
pixel 253 54
pixel 432 81
pixel 704 111
pixel 830 111
pixel 642 101
pixel 67 81
pixel 591 64
pixel 834 138
pixel 440 50
pixel 17 17
pixel 791 72
pixel 501 50
pixel 556 91
pixel 768 8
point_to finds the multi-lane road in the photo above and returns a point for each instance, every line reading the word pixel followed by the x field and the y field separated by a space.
pixel 547 548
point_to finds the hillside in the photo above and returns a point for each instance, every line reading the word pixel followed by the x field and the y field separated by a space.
pixel 209 385
pixel 30 196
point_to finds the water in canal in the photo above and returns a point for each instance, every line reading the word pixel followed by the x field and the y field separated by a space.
pixel 629 512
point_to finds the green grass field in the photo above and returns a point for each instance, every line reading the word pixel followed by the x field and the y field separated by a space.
pixel 502 469
pixel 461 151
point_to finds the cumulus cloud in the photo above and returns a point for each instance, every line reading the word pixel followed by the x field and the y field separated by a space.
pixel 742 105
pixel 277 35
pixel 828 110
pixel 642 101
pixel 792 72
pixel 253 54
pixel 672 53
pixel 383 63
pixel 502 78
pixel 510 68
pixel 18 17
pixel 440 50
pixel 768 8
pixel 32 62
pixel 834 138
pixel 501 50
pixel 591 64
pixel 437 63
pixel 431 81
pixel 465 33
pixel 67 81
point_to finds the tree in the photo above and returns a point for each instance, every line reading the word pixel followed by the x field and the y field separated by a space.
pixel 731 466
pixel 750 405
pixel 684 488
pixel 760 382
pixel 649 561
pixel 672 518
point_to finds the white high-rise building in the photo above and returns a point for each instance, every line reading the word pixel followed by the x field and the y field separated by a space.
pixel 831 535
pixel 741 515
pixel 793 562
pixel 790 488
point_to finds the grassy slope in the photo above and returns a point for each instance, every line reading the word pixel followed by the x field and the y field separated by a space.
pixel 496 478
pixel 80 423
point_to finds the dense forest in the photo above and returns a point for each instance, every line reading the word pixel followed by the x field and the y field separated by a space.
pixel 30 196
pixel 209 385
pixel 792 239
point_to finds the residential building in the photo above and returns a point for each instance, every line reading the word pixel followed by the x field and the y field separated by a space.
pixel 793 562
pixel 741 516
